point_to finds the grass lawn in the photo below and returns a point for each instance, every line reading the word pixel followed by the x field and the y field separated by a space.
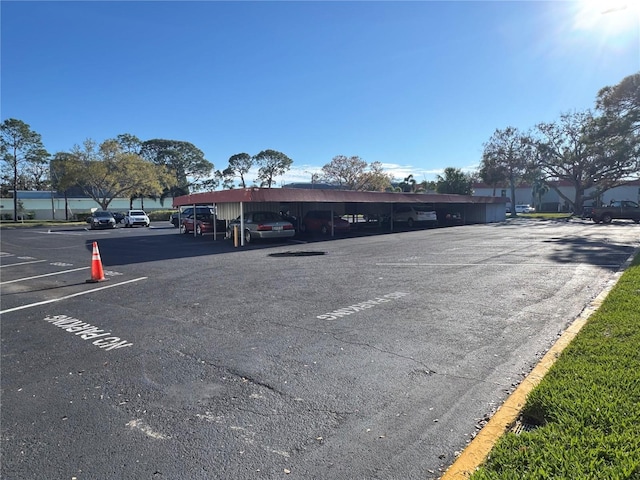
pixel 37 223
pixel 587 408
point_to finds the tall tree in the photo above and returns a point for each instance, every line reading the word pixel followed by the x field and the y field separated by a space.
pixel 617 132
pixel 568 150
pixel 64 170
pixel 346 172
pixel 409 184
pixel 20 148
pixel 539 189
pixel 129 143
pixel 426 186
pixel 184 160
pixel 106 172
pixel 507 154
pixel 239 166
pixel 272 164
pixel 492 172
pixel 621 103
pixel 455 181
pixel 374 179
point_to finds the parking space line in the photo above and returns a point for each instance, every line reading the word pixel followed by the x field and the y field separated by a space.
pixel 526 264
pixel 21 263
pixel 22 307
pixel 49 232
pixel 44 275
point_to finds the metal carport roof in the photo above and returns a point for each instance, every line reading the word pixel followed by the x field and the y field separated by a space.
pixel 262 195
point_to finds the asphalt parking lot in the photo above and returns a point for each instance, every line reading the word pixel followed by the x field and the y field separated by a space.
pixel 373 357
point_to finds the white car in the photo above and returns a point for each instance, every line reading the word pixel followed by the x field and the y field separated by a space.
pixel 411 214
pixel 525 209
pixel 136 217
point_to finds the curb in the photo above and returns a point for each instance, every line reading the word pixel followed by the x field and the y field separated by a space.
pixel 505 417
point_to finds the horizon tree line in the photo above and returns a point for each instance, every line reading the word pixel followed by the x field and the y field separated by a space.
pixel 587 149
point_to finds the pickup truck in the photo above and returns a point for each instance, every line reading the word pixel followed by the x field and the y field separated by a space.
pixel 625 209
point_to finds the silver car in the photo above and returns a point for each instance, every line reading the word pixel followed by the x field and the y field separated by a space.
pixel 262 225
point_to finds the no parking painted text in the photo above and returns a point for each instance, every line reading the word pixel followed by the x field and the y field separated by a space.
pixel 85 331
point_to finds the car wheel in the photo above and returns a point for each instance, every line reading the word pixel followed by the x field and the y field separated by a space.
pixel 410 223
pixel 198 230
pixel 303 228
pixel 324 229
pixel 247 237
pixel 606 218
pixel 183 229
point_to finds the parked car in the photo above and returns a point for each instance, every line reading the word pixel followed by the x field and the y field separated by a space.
pixel 186 212
pixel 451 218
pixel 101 219
pixel 587 212
pixel 203 222
pixel 625 209
pixel 321 221
pixel 525 208
pixel 136 217
pixel 119 216
pixel 412 214
pixel 262 225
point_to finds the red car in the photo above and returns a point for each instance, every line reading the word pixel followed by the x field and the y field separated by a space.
pixel 204 224
pixel 321 221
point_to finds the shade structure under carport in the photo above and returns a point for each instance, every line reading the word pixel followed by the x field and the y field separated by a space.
pixel 232 203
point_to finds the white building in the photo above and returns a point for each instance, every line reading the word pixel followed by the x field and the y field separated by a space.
pixel 551 201
pixel 48 205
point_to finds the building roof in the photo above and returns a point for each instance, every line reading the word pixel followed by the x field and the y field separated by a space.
pixel 260 195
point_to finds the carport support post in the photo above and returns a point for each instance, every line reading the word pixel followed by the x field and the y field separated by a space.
pixel 195 220
pixel 332 222
pixel 242 224
pixel 215 221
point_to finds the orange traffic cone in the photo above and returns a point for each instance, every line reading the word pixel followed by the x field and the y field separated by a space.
pixel 97 274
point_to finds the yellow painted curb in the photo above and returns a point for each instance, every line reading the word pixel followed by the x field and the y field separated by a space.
pixel 476 452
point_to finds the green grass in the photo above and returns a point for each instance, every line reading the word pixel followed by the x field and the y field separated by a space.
pixel 37 223
pixel 587 406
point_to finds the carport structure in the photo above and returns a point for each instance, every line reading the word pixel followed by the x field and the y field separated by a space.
pixel 231 204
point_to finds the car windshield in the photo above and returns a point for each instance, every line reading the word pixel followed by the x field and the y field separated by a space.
pixel 102 214
pixel 136 212
pixel 266 217
pixel 423 209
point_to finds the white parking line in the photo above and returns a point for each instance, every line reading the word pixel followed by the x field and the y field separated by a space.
pixel 49 232
pixel 44 275
pixel 22 307
pixel 550 264
pixel 21 263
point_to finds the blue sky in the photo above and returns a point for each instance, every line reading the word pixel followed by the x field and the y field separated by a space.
pixel 417 86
